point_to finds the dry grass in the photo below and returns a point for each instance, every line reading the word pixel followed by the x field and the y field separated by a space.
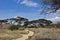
pixel 6 34
pixel 46 33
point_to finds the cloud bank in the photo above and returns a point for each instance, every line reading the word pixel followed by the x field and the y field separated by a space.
pixel 55 20
pixel 29 3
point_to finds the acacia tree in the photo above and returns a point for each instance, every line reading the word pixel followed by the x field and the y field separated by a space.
pixel 33 22
pixel 2 21
pixel 50 6
pixel 20 19
pixel 44 22
pixel 11 20
pixel 26 22
pixel 48 22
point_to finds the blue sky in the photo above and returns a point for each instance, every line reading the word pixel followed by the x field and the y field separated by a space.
pixel 26 8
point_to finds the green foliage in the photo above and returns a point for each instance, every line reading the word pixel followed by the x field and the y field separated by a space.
pixel 14 27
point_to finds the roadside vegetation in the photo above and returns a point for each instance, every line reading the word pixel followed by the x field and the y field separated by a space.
pixel 9 35
pixel 43 29
pixel 16 23
pixel 45 34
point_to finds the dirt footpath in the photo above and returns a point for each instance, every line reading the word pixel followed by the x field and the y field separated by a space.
pixel 25 36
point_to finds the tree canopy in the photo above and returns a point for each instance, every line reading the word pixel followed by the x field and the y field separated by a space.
pixel 50 6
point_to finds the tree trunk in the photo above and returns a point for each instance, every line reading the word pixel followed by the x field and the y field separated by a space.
pixel 1 25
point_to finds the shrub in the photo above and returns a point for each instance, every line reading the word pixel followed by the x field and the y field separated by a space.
pixel 14 27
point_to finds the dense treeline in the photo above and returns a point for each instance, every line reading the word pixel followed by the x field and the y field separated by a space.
pixel 23 22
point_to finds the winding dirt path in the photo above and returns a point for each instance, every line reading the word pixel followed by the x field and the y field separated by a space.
pixel 26 36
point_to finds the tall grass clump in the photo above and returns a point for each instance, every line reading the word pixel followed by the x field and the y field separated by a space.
pixel 14 27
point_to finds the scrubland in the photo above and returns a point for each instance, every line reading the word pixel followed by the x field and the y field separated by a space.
pixel 45 34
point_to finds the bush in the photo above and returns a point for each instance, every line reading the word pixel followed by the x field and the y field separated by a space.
pixel 14 27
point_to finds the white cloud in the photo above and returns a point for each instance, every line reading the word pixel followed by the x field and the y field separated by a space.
pixel 55 20
pixel 28 3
